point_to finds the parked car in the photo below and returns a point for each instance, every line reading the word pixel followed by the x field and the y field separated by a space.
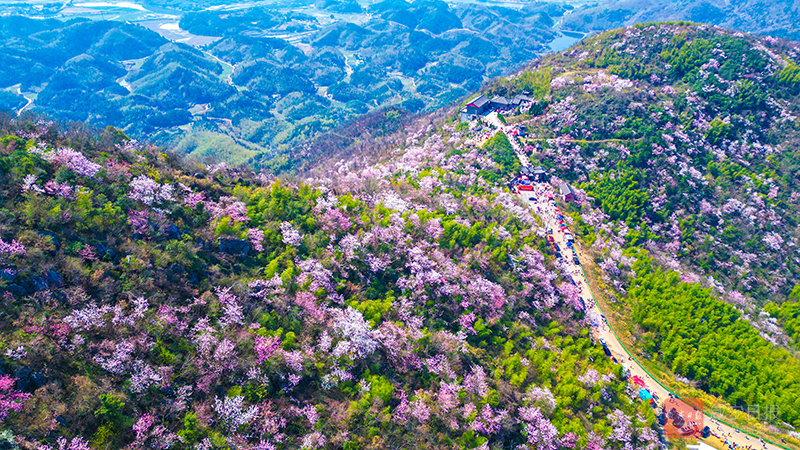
pixel 533 199
pixel 558 255
pixel 558 249
pixel 576 260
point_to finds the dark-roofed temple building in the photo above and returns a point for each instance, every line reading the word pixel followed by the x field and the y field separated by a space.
pixel 474 108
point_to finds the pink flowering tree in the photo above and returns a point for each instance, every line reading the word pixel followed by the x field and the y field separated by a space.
pixel 290 235
pixel 228 207
pixel 12 248
pixel 69 158
pixel 10 398
pixel 144 189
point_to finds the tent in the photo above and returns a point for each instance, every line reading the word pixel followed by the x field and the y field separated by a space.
pixel 638 381
pixel 644 394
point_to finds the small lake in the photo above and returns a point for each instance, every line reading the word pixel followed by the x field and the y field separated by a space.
pixel 170 29
pixel 563 41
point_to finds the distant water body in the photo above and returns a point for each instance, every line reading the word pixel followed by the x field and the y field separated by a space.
pixel 564 41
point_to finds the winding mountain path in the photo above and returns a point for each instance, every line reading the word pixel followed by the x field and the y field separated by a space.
pixel 722 433
pixel 27 105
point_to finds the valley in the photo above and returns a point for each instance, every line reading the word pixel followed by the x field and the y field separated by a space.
pixel 282 116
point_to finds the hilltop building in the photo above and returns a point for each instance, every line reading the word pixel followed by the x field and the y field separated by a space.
pixel 474 108
pixel 482 104
pixel 499 102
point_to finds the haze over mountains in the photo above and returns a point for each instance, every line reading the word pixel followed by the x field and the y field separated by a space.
pixel 780 18
pixel 264 78
pixel 298 70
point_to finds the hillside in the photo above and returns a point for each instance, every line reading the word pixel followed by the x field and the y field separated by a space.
pixel 682 143
pixel 393 293
pixel 147 302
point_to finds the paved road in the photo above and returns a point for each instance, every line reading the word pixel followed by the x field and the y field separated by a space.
pixel 539 201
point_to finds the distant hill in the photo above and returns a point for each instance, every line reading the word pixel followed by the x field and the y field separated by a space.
pixel 780 18
pixel 274 77
pixel 78 69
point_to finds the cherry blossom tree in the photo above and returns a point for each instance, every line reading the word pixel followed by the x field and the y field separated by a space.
pixel 290 235
pixel 144 189
pixel 10 399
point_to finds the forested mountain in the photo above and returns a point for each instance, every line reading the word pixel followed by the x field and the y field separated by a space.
pixel 105 73
pixel 148 302
pixel 775 18
pixel 418 55
pixel 687 136
pixel 683 143
pixel 391 292
pixel 272 76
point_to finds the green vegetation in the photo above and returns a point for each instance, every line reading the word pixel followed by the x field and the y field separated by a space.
pixel 619 195
pixel 537 83
pixel 788 313
pixel 500 150
pixel 789 77
pixel 704 338
pixel 172 304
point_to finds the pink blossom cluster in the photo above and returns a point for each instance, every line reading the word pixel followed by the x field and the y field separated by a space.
pixel 602 80
pixel 144 189
pixel 621 426
pixel 265 347
pixel 291 236
pixel 69 158
pixel 228 207
pixel 233 413
pixel 191 198
pixel 256 237
pixel 539 431
pixel 357 337
pixel 10 398
pixel 263 289
pixel 62 190
pixel 12 248
pixel 76 443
